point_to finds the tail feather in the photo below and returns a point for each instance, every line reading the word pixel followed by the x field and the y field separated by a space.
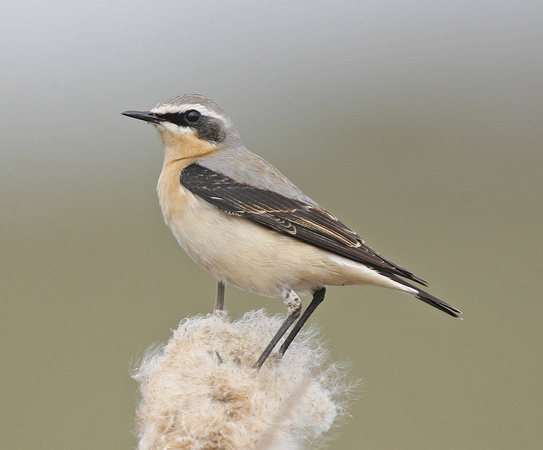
pixel 428 298
pixel 439 304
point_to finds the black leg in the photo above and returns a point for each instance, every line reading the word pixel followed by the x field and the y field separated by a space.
pixel 219 298
pixel 318 297
pixel 294 305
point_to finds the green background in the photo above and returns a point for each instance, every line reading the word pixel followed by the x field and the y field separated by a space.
pixel 419 124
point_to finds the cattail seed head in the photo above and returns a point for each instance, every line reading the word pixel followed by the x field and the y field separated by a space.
pixel 200 390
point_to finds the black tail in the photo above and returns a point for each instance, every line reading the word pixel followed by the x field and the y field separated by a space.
pixel 428 298
pixel 439 304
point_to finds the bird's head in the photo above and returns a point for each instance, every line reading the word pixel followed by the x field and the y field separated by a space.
pixel 191 126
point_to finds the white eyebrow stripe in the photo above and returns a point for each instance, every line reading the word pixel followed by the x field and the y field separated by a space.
pixel 175 109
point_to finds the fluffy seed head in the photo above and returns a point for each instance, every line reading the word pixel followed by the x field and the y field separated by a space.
pixel 200 391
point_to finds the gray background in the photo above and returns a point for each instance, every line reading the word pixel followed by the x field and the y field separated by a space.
pixel 418 123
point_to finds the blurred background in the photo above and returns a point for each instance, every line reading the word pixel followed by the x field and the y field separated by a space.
pixel 419 124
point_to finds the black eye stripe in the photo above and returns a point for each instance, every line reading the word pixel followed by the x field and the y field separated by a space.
pixel 176 118
pixel 208 128
pixel 183 119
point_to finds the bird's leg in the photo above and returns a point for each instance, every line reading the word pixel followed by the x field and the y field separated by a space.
pixel 318 297
pixel 219 297
pixel 294 305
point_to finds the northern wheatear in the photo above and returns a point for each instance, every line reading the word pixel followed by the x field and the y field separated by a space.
pixel 245 223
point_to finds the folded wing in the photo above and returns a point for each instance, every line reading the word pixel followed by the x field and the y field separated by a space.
pixel 309 223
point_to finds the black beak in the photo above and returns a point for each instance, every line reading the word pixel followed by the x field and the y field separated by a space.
pixel 148 116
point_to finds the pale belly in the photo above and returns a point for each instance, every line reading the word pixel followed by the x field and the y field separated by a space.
pixel 244 254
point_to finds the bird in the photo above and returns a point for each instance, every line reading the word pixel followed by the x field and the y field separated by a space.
pixel 249 226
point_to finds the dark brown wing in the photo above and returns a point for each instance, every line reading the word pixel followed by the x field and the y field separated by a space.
pixel 309 223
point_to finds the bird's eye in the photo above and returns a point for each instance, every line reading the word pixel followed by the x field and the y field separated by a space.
pixel 192 116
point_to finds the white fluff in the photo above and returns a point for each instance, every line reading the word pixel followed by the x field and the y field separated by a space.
pixel 190 399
